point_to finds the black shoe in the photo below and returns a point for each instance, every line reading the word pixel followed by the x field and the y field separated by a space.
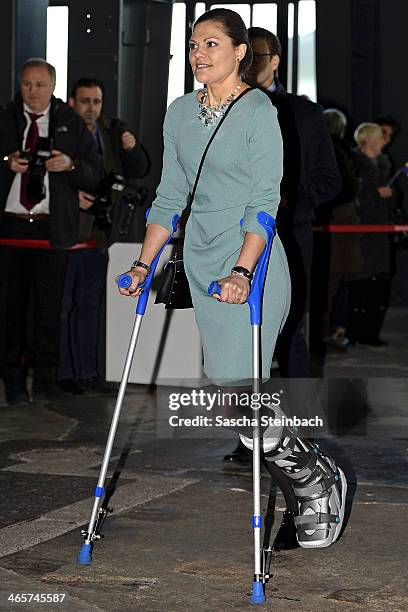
pixel 70 385
pixel 97 386
pixel 286 537
pixel 46 391
pixel 16 397
pixel 371 342
pixel 240 458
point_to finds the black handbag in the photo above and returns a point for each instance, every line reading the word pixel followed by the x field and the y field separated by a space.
pixel 174 290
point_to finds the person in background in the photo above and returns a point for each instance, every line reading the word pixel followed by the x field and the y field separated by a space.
pixel 399 215
pixel 47 155
pixel 370 286
pixel 83 301
pixel 345 250
pixel 390 129
pixel 310 178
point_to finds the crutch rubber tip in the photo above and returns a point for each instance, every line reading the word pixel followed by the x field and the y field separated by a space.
pixel 84 557
pixel 258 595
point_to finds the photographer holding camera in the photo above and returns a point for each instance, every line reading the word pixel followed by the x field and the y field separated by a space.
pixel 101 220
pixel 47 155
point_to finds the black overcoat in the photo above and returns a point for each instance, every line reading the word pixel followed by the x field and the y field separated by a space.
pixel 69 135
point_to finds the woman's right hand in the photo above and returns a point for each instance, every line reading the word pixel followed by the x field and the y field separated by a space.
pixel 138 277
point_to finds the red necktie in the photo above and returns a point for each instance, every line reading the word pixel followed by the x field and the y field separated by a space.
pixel 30 144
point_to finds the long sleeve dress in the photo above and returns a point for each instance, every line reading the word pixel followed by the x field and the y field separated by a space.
pixel 241 176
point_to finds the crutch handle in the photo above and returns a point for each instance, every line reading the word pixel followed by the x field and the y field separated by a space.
pixel 125 280
pixel 254 299
pixel 257 286
pixel 214 288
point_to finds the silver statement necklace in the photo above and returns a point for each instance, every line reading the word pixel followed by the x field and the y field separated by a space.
pixel 208 115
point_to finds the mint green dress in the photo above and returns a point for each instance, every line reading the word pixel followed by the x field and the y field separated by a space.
pixel 241 175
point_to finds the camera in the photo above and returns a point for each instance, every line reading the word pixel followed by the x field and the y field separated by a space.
pixel 103 200
pixel 36 169
pixel 131 195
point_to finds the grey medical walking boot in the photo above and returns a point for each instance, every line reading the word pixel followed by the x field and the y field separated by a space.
pixel 320 488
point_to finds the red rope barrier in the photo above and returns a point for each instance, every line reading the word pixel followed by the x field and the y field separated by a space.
pixel 44 244
pixel 332 229
pixel 360 229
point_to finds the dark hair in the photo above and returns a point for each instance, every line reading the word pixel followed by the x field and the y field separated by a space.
pixel 388 120
pixel 87 82
pixel 235 29
pixel 38 62
pixel 272 40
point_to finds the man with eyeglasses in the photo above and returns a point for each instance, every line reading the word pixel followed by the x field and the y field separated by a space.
pixel 100 219
pixel 310 178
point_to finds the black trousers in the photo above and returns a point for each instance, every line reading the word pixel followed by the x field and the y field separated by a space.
pixel 31 289
pixel 82 313
pixel 368 302
pixel 319 327
pixel 291 349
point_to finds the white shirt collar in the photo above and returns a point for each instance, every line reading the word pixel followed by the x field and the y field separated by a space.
pixel 45 114
pixel 272 87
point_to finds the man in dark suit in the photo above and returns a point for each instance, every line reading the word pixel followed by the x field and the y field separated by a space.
pixel 83 300
pixel 310 178
pixel 38 222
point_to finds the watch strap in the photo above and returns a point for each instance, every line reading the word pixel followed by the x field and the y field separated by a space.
pixel 140 264
pixel 241 271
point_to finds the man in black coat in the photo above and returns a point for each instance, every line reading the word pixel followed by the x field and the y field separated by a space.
pixel 120 151
pixel 39 219
pixel 310 178
pixel 100 220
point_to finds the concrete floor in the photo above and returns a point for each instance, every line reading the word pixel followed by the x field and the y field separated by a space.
pixel 179 537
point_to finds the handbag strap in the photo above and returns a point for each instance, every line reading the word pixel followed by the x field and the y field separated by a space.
pixel 191 196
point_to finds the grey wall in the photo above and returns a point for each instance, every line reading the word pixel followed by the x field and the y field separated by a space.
pixel 20 43
pixel 31 33
pixel 393 68
pixel 145 54
pixel 95 54
pixel 7 61
pixel 362 63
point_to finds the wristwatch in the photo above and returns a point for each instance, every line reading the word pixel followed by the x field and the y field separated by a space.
pixel 140 264
pixel 241 271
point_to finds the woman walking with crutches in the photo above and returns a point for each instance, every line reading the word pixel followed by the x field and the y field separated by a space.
pixel 240 177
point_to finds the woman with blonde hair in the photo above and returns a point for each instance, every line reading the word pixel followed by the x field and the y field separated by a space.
pixel 370 286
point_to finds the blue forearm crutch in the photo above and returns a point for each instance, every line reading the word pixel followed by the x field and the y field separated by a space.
pixel 124 281
pixel 255 305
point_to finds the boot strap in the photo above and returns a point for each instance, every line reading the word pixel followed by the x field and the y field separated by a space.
pixel 304 461
pixel 319 518
pixel 317 490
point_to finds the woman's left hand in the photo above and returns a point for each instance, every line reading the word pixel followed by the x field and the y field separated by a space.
pixel 235 289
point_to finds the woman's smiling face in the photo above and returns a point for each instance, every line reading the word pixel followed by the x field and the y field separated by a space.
pixel 213 57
